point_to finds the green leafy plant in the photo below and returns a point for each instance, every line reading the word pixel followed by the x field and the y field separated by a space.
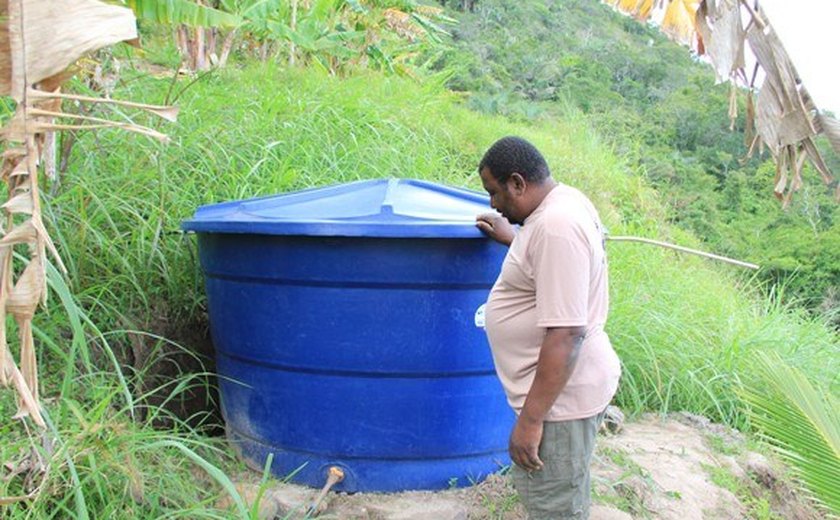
pixel 801 422
pixel 184 12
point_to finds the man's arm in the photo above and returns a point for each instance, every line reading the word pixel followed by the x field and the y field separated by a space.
pixel 556 362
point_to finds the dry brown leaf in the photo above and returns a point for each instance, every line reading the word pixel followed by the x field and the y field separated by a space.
pixel 754 144
pixel 20 203
pixel 30 404
pixel 782 115
pixel 780 182
pixel 24 297
pixel 401 23
pixel 817 160
pixel 831 128
pixel 24 233
pixel 28 363
pixel 55 35
pixel 768 113
pixel 749 120
pixel 5 48
pixel 782 118
pixel 48 243
pixel 4 349
pixel 774 60
pixel 15 152
pixel 50 158
pixel 795 161
pixel 723 36
pixel 780 124
pixel 19 171
pixel 15 129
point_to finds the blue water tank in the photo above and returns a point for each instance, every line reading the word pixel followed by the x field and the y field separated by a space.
pixel 347 323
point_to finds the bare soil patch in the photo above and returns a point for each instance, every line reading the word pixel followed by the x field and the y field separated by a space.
pixel 681 467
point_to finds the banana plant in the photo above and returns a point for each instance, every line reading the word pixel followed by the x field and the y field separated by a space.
pixel 193 19
pixel 185 12
pixel 333 34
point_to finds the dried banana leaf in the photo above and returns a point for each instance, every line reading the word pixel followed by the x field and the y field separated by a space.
pixel 54 34
pixel 723 36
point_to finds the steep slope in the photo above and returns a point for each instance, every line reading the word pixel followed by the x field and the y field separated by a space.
pixel 660 109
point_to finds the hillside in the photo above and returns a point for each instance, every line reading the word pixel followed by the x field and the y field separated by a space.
pixel 660 110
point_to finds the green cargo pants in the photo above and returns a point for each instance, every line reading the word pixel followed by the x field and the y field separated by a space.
pixel 560 490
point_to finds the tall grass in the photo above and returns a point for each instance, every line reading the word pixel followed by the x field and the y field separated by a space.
pixel 104 457
pixel 685 329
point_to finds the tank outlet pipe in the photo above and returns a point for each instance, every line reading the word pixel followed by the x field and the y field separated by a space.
pixel 334 476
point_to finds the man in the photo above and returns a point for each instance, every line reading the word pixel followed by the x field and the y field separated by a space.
pixel 545 322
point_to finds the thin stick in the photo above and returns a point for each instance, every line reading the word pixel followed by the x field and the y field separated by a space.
pixel 685 250
pixel 166 112
pixel 757 18
pixel 128 126
pixel 125 126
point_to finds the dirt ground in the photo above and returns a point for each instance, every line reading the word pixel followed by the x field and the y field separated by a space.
pixel 681 467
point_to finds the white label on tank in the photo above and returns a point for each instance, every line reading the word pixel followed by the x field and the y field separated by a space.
pixel 479 316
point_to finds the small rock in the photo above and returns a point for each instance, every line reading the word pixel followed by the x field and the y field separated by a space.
pixel 292 501
pixel 402 509
pixel 635 489
pixel 613 420
pixel 249 492
pixel 759 467
pixel 730 436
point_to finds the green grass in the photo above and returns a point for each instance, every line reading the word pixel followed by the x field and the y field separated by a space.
pixel 628 491
pixel 753 498
pixel 684 328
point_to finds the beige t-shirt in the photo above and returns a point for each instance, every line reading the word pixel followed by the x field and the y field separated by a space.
pixel 555 275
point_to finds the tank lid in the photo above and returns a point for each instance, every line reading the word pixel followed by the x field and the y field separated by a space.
pixel 372 208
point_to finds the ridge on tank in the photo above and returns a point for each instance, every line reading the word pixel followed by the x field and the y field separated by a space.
pixel 348 328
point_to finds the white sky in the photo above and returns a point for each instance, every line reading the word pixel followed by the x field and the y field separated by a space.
pixel 809 31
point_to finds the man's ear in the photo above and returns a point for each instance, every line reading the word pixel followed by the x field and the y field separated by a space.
pixel 517 182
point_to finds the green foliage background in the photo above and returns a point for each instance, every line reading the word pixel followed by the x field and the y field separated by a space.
pixel 660 110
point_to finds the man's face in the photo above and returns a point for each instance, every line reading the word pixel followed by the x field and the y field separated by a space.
pixel 502 198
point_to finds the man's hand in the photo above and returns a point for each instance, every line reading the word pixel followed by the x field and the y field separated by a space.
pixel 496 227
pixel 524 444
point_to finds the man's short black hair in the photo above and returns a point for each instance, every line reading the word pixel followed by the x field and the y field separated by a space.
pixel 511 155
